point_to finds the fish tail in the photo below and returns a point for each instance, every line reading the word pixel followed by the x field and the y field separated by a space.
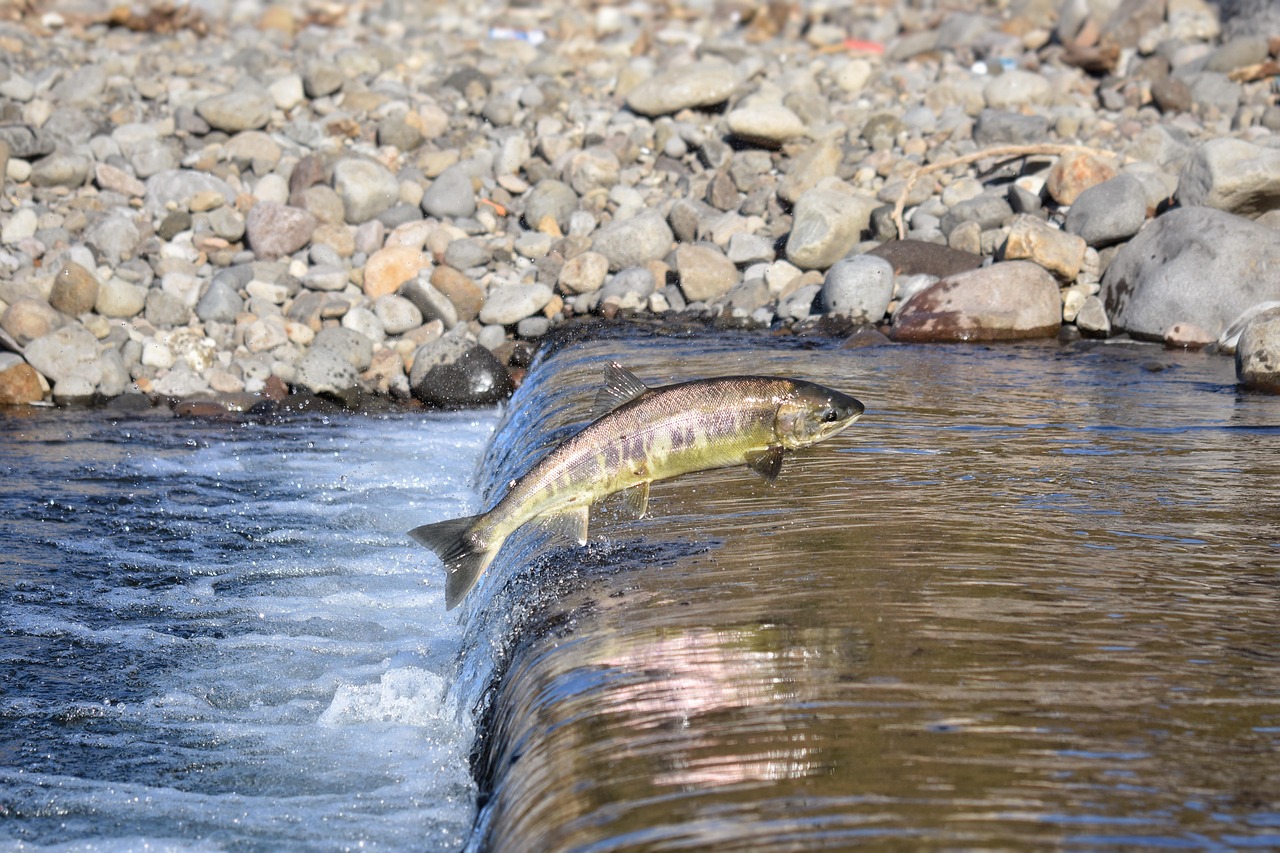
pixel 464 559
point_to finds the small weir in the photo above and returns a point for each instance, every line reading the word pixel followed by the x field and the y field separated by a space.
pixel 1031 600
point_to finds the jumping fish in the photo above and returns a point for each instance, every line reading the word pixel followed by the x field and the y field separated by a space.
pixel 647 434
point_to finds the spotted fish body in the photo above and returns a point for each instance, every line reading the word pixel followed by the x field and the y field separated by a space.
pixel 650 434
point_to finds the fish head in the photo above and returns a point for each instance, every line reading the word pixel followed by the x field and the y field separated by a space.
pixel 811 413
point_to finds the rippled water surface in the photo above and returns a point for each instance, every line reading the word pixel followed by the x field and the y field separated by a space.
pixel 218 637
pixel 1032 599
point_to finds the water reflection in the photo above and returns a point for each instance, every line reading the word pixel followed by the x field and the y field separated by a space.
pixel 1032 599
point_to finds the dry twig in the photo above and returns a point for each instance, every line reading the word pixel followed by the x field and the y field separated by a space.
pixel 1012 152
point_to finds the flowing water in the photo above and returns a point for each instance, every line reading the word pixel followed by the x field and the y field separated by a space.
pixel 1030 600
pixel 218 637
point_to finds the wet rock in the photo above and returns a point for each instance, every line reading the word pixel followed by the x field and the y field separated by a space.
pixel 1193 265
pixel 1258 353
pixel 1033 239
pixel 1232 175
pixel 633 242
pixel 353 347
pixel 827 225
pixel 918 257
pixel 274 230
pixel 19 382
pixel 1010 300
pixel 455 372
pixel 858 288
pixel 1109 212
pixel 701 84
pixel 365 187
pixel 387 269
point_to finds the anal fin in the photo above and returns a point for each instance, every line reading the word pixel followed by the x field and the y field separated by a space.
pixel 635 501
pixel 767 463
pixel 571 524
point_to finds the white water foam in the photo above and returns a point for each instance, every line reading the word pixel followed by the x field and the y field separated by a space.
pixel 257 656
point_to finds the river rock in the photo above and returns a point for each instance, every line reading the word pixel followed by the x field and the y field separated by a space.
pixel 633 242
pixel 467 296
pixel 389 268
pixel 1092 319
pixel 1075 172
pixel 456 372
pixel 1194 265
pixel 450 194
pixel 920 257
pixel 57 354
pixel 398 314
pixel 20 226
pixel 119 298
pixel 1032 239
pixel 1258 353
pixel 1010 300
pixel 61 169
pixel 858 288
pixel 274 230
pixel 701 84
pixel 827 224
pixel 220 303
pixel 1015 89
pixel 764 123
pixel 511 303
pixel 1108 212
pixel 365 187
pixel 429 302
pixel 177 187
pixel 1232 175
pixel 19 382
pixel 820 160
pixel 355 348
pixel 115 237
pixel 29 318
pixel 705 274
pixel 583 273
pixel 550 200
pixel 323 370
pixel 240 109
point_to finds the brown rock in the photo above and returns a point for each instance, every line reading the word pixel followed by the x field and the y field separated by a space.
pixel 391 267
pixel 20 385
pixel 705 273
pixel 467 296
pixel 919 257
pixel 29 318
pixel 75 290
pixel 1034 240
pixel 1006 301
pixel 273 230
pixel 1076 172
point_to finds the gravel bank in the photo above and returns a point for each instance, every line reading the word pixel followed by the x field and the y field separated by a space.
pixel 231 201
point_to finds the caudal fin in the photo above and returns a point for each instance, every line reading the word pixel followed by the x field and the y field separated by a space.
pixel 464 560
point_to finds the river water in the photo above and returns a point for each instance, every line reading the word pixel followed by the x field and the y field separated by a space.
pixel 1031 599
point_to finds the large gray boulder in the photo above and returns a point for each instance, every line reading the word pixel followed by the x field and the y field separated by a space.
pixel 1195 266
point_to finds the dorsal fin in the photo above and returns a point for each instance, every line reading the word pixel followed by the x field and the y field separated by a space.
pixel 620 386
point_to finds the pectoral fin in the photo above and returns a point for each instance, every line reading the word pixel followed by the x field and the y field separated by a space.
pixel 572 524
pixel 767 463
pixel 635 501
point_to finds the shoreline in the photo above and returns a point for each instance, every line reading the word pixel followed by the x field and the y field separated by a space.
pixel 393 202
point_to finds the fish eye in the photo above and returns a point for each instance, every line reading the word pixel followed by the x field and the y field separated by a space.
pixel 830 415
